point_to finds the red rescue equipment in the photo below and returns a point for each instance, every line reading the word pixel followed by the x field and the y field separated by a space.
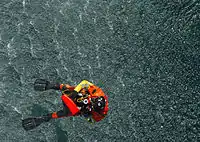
pixel 70 104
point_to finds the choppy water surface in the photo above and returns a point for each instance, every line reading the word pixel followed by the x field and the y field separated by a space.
pixel 144 54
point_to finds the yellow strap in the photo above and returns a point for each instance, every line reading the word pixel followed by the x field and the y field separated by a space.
pixel 83 84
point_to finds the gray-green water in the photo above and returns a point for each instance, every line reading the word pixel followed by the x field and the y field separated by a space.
pixel 144 54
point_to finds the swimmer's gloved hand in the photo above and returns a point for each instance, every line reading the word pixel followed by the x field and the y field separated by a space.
pixel 43 84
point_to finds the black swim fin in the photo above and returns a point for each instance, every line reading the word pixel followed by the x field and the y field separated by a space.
pixel 31 123
pixel 42 85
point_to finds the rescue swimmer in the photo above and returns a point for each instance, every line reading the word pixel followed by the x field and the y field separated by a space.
pixel 85 100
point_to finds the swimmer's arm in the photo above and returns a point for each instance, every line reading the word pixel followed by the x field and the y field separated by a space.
pixel 63 87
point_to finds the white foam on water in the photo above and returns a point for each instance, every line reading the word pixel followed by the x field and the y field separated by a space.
pixel 16 109
pixel 11 50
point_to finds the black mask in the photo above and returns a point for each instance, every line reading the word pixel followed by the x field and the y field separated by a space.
pixel 98 103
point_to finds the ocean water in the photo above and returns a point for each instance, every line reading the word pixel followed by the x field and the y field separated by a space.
pixel 144 55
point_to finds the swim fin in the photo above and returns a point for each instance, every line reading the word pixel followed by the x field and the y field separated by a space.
pixel 42 85
pixel 31 123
